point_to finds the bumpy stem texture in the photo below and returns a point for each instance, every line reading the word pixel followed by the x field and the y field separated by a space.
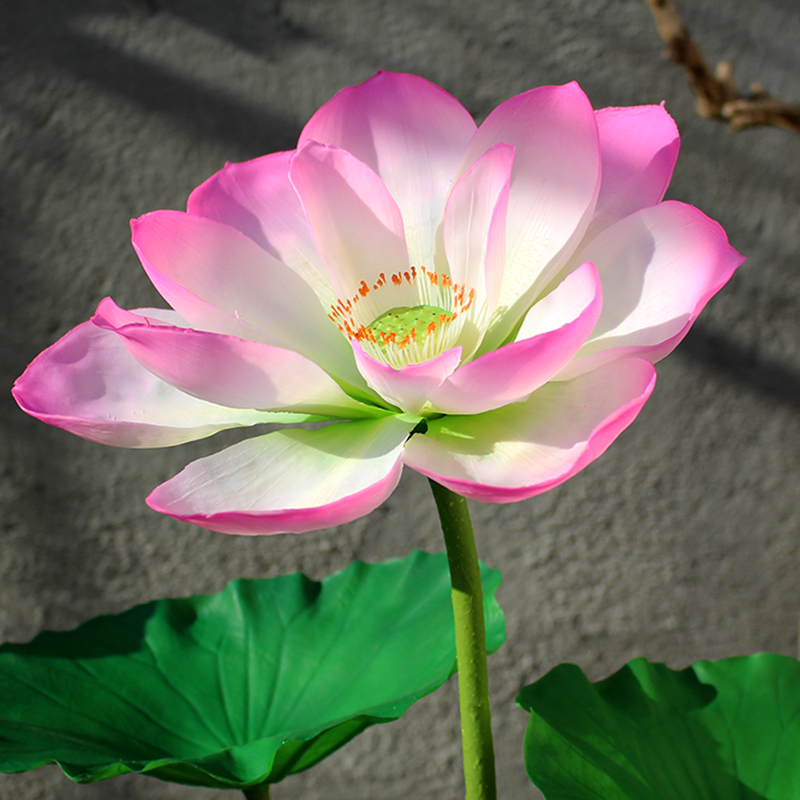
pixel 473 681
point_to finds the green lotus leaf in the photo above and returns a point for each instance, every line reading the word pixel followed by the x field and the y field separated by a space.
pixel 718 730
pixel 237 689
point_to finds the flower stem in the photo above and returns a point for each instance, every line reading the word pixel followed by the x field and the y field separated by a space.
pixel 473 681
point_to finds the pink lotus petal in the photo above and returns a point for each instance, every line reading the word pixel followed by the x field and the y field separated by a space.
pixel 213 318
pixel 290 481
pixel 191 258
pixel 356 225
pixel 89 385
pixel 475 225
pixel 227 370
pixel 554 186
pixel 638 147
pixel 659 267
pixel 525 449
pixel 553 331
pixel 409 387
pixel 412 134
pixel 257 198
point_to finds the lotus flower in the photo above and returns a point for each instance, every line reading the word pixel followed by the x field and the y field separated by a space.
pixel 481 304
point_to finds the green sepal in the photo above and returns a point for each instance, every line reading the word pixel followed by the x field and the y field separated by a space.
pixel 718 730
pixel 236 689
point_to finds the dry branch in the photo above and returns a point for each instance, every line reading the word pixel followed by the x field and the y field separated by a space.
pixel 716 95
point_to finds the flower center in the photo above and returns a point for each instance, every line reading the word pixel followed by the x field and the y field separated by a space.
pixel 401 326
pixel 427 315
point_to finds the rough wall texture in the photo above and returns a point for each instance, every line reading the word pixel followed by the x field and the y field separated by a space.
pixel 681 543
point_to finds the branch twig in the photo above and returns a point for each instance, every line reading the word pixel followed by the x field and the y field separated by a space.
pixel 716 95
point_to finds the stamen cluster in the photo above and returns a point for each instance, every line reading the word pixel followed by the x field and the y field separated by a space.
pixel 389 337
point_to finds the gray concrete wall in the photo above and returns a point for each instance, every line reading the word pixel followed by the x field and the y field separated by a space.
pixel 680 543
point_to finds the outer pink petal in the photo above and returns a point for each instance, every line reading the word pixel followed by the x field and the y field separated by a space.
pixel 412 134
pixel 410 387
pixel 258 199
pixel 290 481
pixel 475 225
pixel 526 448
pixel 356 224
pixel 638 147
pixel 88 384
pixel 227 370
pixel 659 267
pixel 554 186
pixel 551 334
pixel 209 272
